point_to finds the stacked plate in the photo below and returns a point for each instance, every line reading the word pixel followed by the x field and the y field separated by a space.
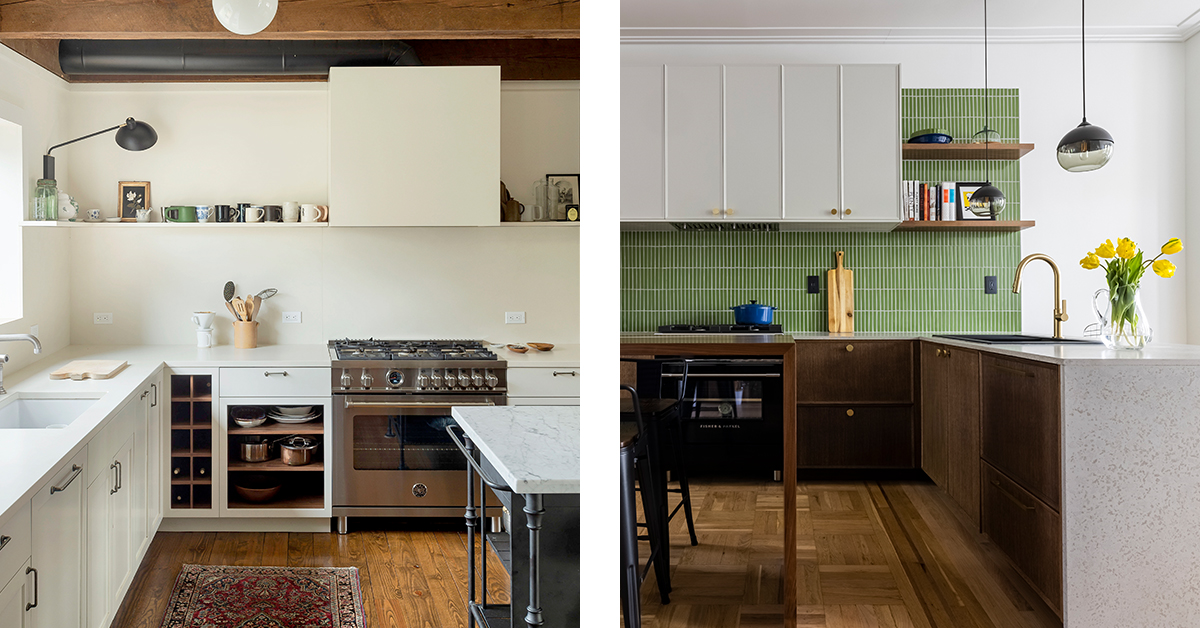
pixel 293 414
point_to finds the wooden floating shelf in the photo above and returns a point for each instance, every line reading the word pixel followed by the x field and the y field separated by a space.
pixel 995 150
pixel 965 225
pixel 275 464
pixel 303 501
pixel 312 427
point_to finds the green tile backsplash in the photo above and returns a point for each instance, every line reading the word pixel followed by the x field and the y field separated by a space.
pixel 904 281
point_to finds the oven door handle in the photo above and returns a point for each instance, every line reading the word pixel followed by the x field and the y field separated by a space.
pixel 413 404
pixel 499 486
pixel 724 375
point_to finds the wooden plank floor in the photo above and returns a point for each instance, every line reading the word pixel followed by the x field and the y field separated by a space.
pixel 870 555
pixel 410 578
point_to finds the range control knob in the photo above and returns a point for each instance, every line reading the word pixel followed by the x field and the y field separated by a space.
pixel 395 378
pixel 464 380
pixel 435 378
pixel 492 380
pixel 422 380
pixel 367 379
pixel 346 378
pixel 476 378
pixel 451 378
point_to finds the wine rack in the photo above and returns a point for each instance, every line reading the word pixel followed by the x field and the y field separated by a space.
pixel 190 471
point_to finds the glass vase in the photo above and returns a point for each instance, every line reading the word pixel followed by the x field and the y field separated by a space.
pixel 1123 322
pixel 45 200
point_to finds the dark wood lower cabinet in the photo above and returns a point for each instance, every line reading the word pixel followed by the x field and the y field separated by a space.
pixel 856 437
pixel 1027 530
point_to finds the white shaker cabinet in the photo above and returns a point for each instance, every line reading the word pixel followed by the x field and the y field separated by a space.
pixel 871 143
pixel 642 180
pixel 695 177
pixel 59 518
pixel 753 142
pixel 414 146
pixel 15 593
pixel 812 142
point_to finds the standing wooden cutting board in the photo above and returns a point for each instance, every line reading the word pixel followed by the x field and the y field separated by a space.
pixel 90 369
pixel 840 283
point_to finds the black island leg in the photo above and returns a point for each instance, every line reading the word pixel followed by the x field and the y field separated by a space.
pixel 471 522
pixel 533 520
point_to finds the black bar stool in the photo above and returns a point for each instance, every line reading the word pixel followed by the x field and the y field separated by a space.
pixel 639 470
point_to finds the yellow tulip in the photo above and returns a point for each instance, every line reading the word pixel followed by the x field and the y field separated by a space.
pixel 1126 248
pixel 1090 262
pixel 1106 250
pixel 1172 246
pixel 1164 269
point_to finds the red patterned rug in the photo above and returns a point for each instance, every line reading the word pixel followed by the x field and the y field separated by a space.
pixel 209 596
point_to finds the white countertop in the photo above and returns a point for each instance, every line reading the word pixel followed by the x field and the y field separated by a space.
pixel 560 357
pixel 534 448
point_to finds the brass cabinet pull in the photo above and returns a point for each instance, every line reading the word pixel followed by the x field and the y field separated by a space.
pixel 833 212
pixel 850 412
pixel 716 212
pixel 847 211
pixel 729 211
pixel 943 353
pixel 1014 370
pixel 996 483
pixel 849 347
pixel 176 470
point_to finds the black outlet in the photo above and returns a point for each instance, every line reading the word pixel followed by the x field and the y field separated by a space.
pixel 814 284
pixel 989 284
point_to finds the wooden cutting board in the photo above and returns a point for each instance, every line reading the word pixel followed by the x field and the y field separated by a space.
pixel 840 282
pixel 90 369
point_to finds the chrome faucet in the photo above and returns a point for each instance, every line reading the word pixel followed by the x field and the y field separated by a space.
pixel 1060 312
pixel 37 348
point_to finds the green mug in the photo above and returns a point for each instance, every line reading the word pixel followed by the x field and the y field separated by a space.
pixel 179 213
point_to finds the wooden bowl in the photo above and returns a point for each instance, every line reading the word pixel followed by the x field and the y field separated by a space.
pixel 518 348
pixel 541 346
pixel 257 488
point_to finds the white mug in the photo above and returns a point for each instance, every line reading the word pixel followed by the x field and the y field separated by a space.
pixel 204 338
pixel 291 211
pixel 143 215
pixel 203 320
pixel 254 213
pixel 310 213
pixel 203 213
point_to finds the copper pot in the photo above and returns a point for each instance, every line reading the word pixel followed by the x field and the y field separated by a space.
pixel 297 451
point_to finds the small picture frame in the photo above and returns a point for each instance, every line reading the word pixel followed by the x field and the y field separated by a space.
pixel 964 190
pixel 132 196
pixel 572 213
pixel 568 194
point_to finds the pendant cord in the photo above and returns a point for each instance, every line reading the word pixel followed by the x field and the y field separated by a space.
pixel 1083 49
pixel 987 104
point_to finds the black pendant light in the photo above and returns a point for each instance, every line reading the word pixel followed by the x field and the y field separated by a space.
pixel 131 135
pixel 1087 146
pixel 988 200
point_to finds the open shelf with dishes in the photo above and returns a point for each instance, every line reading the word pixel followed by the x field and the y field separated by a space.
pixel 190 439
pixel 275 456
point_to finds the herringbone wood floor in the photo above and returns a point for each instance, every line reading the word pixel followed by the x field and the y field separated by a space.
pixel 871 555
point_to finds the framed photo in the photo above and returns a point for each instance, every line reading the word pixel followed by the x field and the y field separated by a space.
pixel 568 194
pixel 133 195
pixel 964 192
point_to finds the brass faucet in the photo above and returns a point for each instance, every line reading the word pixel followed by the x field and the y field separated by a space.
pixel 1060 312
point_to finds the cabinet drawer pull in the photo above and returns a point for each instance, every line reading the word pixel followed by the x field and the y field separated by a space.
pixel 154 399
pixel 29 570
pixel 996 483
pixel 849 347
pixel 833 212
pixel 849 412
pixel 270 373
pixel 716 211
pixel 1014 371
pixel 75 471
pixel 4 541
pixel 943 353
pixel 116 465
pixel 564 373
pixel 847 211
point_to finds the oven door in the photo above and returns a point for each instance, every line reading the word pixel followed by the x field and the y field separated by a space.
pixel 393 451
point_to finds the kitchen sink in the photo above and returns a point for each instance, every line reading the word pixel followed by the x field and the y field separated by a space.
pixel 36 413
pixel 1016 339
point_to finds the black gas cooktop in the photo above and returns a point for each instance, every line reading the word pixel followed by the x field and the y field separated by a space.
pixel 372 349
pixel 720 329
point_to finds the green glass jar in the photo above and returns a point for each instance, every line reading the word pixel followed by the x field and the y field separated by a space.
pixel 45 200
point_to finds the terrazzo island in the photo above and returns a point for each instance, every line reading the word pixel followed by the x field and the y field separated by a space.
pixel 1105 461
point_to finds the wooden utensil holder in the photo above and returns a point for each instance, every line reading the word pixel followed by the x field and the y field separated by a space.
pixel 245 334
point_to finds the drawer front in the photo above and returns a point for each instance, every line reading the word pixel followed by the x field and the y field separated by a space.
pixel 17 537
pixel 1027 530
pixel 850 436
pixel 543 382
pixel 1020 433
pixel 854 371
pixel 275 382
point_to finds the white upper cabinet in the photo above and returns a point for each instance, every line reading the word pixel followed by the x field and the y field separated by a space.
pixel 753 143
pixel 642 180
pixel 695 138
pixel 414 146
pixel 871 142
pixel 813 147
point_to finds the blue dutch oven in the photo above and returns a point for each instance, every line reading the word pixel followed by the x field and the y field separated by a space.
pixel 753 314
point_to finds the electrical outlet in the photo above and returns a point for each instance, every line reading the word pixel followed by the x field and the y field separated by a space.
pixel 989 284
pixel 102 318
pixel 291 317
pixel 514 318
pixel 814 284
pixel 33 330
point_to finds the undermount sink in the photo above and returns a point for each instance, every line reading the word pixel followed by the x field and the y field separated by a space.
pixel 1016 339
pixel 36 413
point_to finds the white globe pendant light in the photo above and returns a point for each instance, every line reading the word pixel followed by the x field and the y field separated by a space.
pixel 245 17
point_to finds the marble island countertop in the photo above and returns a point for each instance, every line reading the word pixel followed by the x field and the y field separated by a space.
pixel 534 448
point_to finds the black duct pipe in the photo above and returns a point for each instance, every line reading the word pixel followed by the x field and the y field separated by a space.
pixel 218 57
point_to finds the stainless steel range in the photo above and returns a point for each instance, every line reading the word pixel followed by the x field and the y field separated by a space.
pixel 392 400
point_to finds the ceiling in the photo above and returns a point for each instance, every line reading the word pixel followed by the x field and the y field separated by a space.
pixel 1164 20
pixel 529 39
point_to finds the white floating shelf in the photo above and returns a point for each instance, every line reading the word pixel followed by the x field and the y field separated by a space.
pixel 173 225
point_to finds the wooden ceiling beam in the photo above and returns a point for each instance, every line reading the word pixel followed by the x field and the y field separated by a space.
pixel 295 19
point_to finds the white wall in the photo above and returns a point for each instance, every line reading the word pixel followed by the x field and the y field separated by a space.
pixel 1136 93
pixel 33 265
pixel 1191 139
pixel 269 143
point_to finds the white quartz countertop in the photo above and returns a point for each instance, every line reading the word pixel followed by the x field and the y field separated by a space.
pixel 534 448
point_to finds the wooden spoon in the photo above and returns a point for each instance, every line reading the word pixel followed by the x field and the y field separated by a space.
pixel 541 346
pixel 257 304
pixel 518 348
pixel 239 308
pixel 250 311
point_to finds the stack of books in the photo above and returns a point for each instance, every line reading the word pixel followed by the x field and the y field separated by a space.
pixel 931 201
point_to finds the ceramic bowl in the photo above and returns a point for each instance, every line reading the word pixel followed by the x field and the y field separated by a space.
pixel 294 410
pixel 257 488
pixel 250 422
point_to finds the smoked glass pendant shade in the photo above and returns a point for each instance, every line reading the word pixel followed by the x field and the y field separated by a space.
pixel 987 202
pixel 1086 147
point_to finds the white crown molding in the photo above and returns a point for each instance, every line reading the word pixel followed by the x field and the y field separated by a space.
pixel 907 35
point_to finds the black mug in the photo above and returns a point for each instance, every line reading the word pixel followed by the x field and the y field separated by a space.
pixel 225 213
pixel 241 208
pixel 272 213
